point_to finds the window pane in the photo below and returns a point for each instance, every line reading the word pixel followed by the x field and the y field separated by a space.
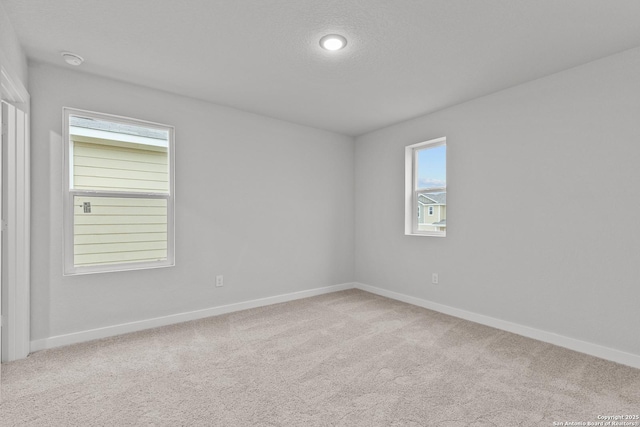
pixel 432 211
pixel 431 165
pixel 113 230
pixel 111 156
pixel 431 184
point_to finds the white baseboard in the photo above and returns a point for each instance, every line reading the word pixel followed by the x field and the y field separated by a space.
pixel 596 350
pixel 109 331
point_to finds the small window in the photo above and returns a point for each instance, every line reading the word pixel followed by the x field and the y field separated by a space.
pixel 426 188
pixel 118 193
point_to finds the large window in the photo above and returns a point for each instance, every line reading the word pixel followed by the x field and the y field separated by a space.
pixel 426 188
pixel 118 193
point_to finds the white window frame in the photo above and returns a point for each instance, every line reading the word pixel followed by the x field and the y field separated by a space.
pixel 69 194
pixel 430 211
pixel 411 187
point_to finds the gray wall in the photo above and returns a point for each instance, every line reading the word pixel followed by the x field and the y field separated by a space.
pixel 531 170
pixel 228 163
pixel 11 53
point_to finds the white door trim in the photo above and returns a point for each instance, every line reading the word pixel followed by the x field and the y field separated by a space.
pixel 16 216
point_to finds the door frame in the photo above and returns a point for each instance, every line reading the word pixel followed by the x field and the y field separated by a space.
pixel 15 333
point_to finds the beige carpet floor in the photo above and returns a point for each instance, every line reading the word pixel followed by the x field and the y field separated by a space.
pixel 344 359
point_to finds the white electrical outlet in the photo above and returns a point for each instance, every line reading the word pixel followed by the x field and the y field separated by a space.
pixel 434 278
pixel 219 280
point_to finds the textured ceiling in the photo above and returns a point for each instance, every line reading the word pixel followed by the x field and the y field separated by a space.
pixel 404 58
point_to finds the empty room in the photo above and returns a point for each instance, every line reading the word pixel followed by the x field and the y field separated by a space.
pixel 237 213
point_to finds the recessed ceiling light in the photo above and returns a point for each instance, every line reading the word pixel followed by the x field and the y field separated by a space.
pixel 72 58
pixel 333 42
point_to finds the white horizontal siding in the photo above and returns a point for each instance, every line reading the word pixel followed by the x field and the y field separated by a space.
pixel 111 168
pixel 123 218
pixel 119 173
pixel 119 164
pixel 88 239
pixel 119 229
pixel 102 248
pixel 118 257
pixel 126 202
pixel 117 210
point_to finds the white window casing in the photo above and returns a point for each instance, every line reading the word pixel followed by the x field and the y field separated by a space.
pixel 412 191
pixel 118 195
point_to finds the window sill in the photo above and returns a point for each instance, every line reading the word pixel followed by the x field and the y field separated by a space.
pixel 114 268
pixel 427 234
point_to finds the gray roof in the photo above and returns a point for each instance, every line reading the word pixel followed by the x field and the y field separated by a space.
pixel 441 222
pixel 433 198
pixel 84 122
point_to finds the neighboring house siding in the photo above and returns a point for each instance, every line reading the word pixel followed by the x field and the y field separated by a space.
pixel 425 220
pixel 119 229
pixel 113 168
